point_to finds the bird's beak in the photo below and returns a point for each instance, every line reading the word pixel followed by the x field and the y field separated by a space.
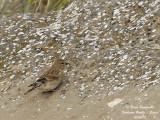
pixel 67 63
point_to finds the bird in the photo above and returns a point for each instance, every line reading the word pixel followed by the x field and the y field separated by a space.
pixel 51 79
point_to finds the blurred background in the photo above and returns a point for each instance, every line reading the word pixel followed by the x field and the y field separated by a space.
pixel 9 7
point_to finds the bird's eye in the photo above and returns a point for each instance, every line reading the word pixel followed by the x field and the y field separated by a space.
pixel 62 63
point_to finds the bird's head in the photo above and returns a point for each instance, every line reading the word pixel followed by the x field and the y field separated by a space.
pixel 60 63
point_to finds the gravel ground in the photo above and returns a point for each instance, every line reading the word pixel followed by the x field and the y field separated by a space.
pixel 113 49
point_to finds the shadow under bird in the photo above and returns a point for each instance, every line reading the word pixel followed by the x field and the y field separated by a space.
pixel 51 79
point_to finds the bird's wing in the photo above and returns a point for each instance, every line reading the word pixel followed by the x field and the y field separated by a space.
pixel 51 74
pixel 50 70
pixel 41 79
pixel 46 72
pixel 51 77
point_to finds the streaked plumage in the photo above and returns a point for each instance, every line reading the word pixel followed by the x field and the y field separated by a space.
pixel 51 79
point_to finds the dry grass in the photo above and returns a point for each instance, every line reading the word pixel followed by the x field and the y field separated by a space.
pixel 8 8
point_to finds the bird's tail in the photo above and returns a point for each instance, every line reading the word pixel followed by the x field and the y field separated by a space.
pixel 34 86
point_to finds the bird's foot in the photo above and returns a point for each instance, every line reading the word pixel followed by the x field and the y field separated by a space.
pixel 49 91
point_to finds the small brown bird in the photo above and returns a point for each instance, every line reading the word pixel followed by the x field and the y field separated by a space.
pixel 51 79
